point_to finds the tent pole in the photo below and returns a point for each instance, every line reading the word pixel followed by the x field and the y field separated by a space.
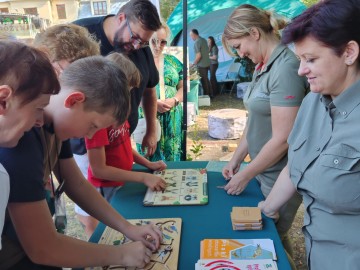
pixel 185 78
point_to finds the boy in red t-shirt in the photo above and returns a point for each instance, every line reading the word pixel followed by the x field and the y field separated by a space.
pixel 111 169
pixel 111 156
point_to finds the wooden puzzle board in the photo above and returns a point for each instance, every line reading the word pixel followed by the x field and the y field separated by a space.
pixel 184 187
pixel 166 258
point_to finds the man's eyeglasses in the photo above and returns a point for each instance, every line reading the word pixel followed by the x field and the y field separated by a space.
pixel 136 41
pixel 157 42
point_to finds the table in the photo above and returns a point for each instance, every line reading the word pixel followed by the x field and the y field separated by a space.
pixel 198 222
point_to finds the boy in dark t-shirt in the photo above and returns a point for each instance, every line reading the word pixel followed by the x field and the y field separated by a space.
pixel 94 94
pixel 22 100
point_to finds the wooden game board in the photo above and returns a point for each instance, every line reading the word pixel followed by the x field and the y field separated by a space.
pixel 184 187
pixel 166 258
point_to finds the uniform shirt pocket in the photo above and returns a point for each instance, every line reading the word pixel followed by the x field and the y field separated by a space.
pixel 339 184
pixel 343 157
pixel 296 159
pixel 296 145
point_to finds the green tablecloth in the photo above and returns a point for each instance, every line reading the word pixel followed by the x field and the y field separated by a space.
pixel 198 222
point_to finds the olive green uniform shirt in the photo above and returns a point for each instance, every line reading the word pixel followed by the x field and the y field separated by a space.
pixel 324 164
pixel 201 46
pixel 277 85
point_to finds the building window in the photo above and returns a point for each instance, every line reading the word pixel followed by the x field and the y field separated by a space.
pixel 4 10
pixel 31 11
pixel 61 11
pixel 100 8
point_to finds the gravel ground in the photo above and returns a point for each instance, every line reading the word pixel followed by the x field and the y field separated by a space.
pixel 214 150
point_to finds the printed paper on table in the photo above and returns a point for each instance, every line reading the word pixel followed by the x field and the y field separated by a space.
pixel 237 249
pixel 264 264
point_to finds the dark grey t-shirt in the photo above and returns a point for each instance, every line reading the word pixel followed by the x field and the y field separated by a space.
pixel 214 51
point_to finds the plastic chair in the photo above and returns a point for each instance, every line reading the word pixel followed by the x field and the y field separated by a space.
pixel 231 76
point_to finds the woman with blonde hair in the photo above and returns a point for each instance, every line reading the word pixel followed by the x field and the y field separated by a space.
pixel 169 96
pixel 272 100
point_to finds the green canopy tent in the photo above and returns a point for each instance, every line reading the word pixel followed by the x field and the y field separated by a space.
pixel 209 18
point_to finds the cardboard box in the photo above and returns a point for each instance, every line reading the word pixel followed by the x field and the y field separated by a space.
pixel 241 89
pixel 204 100
pixel 191 113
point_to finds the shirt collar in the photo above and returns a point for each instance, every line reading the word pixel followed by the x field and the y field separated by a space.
pixel 347 101
pixel 275 54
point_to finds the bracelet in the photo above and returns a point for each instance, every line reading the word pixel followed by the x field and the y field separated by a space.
pixel 176 101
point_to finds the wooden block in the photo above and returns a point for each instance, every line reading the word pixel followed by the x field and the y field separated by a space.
pixel 246 224
pixel 241 228
pixel 246 214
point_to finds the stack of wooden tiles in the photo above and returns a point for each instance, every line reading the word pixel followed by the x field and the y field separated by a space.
pixel 246 218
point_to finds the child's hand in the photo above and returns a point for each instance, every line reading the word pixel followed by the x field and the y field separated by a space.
pixel 155 183
pixel 157 166
pixel 134 254
pixel 150 235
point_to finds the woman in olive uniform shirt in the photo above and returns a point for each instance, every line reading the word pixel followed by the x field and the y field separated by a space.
pixel 324 145
pixel 272 100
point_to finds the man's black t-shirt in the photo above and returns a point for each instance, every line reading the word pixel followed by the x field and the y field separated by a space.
pixel 142 58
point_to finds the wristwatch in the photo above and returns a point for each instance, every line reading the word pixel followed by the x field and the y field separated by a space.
pixel 176 101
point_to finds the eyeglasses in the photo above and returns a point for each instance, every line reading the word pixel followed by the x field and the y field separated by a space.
pixel 136 41
pixel 157 42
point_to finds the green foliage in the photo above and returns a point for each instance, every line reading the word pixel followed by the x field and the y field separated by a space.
pixel 309 3
pixel 249 68
pixel 7 20
pixel 197 146
pixel 167 7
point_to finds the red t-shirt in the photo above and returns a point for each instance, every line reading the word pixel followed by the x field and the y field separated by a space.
pixel 118 151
